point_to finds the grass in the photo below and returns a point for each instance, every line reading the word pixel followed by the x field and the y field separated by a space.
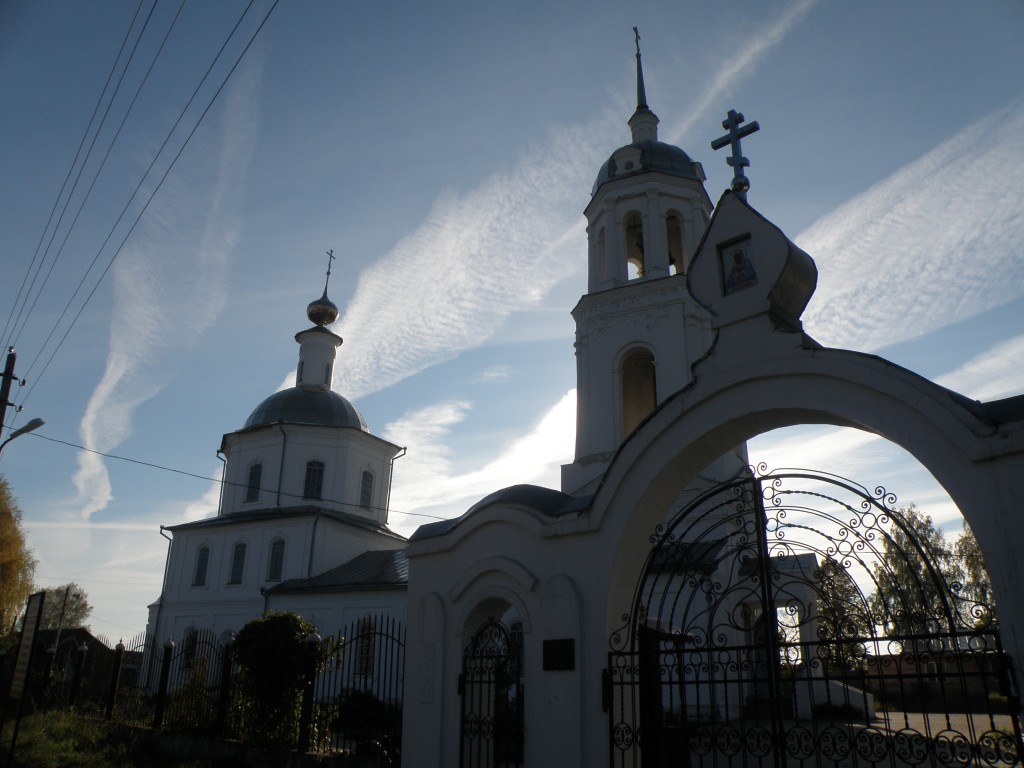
pixel 66 739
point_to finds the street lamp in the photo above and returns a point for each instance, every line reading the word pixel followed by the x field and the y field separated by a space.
pixel 34 424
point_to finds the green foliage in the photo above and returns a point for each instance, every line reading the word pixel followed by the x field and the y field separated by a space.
pixel 17 566
pixel 276 657
pixel 66 739
pixel 912 578
pixel 843 617
pixel 977 586
pixel 66 605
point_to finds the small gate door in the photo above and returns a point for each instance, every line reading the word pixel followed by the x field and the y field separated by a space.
pixel 491 686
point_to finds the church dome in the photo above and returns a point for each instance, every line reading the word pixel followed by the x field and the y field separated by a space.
pixel 322 311
pixel 654 156
pixel 302 405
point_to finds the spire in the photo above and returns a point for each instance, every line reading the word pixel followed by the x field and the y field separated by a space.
pixel 643 123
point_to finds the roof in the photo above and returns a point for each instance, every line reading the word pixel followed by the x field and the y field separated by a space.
pixel 546 501
pixel 654 156
pixel 306 405
pixel 263 515
pixel 381 569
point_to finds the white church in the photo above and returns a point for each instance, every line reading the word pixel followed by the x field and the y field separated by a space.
pixel 302 522
pixel 540 628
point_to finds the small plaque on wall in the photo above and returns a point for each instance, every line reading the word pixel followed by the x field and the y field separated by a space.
pixel 559 655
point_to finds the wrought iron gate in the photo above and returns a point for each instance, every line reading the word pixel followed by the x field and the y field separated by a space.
pixel 795 618
pixel 491 687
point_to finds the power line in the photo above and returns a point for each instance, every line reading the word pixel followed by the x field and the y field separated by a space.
pixel 15 314
pixel 222 482
pixel 163 178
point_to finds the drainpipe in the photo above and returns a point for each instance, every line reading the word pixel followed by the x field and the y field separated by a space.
pixel 160 605
pixel 312 547
pixel 391 478
pixel 280 469
pixel 223 478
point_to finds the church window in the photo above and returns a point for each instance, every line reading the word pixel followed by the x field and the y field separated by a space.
pixel 276 568
pixel 313 487
pixel 237 563
pixel 202 564
pixel 327 374
pixel 366 490
pixel 298 377
pixel 366 650
pixel 674 232
pixel 634 245
pixel 191 648
pixel 252 487
pixel 639 393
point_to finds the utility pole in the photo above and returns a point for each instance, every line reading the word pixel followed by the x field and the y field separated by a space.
pixel 8 376
pixel 5 384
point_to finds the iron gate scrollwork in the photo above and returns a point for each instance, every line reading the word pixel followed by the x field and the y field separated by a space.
pixel 796 618
pixel 491 687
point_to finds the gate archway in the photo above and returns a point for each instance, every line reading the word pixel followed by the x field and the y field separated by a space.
pixel 794 617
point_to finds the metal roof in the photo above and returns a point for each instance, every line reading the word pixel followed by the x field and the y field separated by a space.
pixel 306 405
pixel 379 569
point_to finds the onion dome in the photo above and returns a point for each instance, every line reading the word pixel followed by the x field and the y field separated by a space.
pixel 322 311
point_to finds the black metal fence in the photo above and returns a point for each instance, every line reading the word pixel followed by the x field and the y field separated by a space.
pixel 351 703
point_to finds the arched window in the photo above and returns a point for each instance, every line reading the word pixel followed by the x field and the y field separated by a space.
pixel 327 374
pixel 314 484
pixel 298 376
pixel 202 565
pixel 237 563
pixel 276 568
pixel 634 245
pixel 639 393
pixel 252 486
pixel 674 233
pixel 366 490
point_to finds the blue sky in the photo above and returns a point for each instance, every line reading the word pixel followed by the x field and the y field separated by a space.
pixel 445 152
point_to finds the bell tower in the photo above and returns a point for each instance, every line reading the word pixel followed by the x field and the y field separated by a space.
pixel 638 329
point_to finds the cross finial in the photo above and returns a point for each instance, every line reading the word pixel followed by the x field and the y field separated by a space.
pixel 740 183
pixel 641 92
pixel 330 258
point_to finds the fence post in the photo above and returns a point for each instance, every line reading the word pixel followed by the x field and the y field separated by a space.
pixel 165 675
pixel 77 680
pixel 308 692
pixel 115 676
pixel 224 696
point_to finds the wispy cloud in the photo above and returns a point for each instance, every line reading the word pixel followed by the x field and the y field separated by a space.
pixel 995 373
pixel 741 63
pixel 166 255
pixel 914 253
pixel 425 478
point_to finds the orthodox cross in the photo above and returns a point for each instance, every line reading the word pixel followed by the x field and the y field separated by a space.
pixel 740 183
pixel 330 258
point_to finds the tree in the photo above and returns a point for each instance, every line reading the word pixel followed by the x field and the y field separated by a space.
pixel 17 566
pixel 276 654
pixel 65 606
pixel 844 618
pixel 912 577
pixel 977 586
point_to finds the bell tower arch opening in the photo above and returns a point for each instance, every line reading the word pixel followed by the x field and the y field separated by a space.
pixel 639 390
